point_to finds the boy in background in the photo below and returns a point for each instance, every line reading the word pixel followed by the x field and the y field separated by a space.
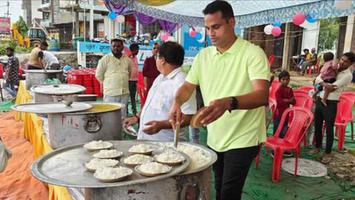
pixel 284 98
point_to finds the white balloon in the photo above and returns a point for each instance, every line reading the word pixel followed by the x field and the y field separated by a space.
pixel 268 29
pixel 120 19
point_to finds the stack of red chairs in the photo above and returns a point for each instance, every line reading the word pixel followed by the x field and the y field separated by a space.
pixel 86 78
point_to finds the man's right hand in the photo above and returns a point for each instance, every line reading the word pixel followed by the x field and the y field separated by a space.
pixel 175 114
pixel 329 87
pixel 130 121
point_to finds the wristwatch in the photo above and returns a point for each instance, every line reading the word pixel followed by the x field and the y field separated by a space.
pixel 234 104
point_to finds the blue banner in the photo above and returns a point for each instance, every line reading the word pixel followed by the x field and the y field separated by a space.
pixel 93 47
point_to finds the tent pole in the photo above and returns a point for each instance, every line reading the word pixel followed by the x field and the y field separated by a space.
pixel 285 54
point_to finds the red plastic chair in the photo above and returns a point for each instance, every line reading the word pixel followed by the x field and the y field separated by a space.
pixel 271 59
pixel 142 95
pixel 351 95
pixel 304 88
pixel 343 117
pixel 297 128
pixel 272 90
pixel 314 68
pixel 303 100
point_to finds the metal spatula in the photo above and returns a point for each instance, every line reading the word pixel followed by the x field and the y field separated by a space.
pixel 176 134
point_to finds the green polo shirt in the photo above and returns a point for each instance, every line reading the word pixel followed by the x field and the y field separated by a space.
pixel 231 74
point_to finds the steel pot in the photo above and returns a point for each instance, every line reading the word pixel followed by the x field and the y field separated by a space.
pixel 56 93
pixel 102 122
pixel 37 77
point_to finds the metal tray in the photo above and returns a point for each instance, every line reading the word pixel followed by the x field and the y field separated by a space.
pixel 50 108
pixel 65 167
pixel 211 155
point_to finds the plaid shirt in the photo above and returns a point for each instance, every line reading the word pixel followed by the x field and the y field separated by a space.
pixel 11 70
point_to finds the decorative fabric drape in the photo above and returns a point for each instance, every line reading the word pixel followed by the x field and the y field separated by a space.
pixel 122 9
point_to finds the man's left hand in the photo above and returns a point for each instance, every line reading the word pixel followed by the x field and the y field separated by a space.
pixel 152 127
pixel 215 110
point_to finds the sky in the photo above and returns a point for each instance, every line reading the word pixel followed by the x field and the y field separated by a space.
pixel 15 9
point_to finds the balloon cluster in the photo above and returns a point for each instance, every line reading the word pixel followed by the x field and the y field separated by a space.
pixel 165 36
pixel 195 34
pixel 298 19
pixel 272 30
pixel 117 18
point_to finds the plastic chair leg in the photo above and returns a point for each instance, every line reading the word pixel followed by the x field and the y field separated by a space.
pixel 296 159
pixel 341 137
pixel 276 168
pixel 352 129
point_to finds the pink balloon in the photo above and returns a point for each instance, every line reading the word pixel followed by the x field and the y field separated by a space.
pixel 276 31
pixel 192 33
pixel 164 37
pixel 299 18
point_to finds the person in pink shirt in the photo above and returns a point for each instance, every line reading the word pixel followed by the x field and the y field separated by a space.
pixel 328 73
pixel 134 48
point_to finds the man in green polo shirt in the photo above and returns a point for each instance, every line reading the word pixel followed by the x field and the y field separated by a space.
pixel 233 76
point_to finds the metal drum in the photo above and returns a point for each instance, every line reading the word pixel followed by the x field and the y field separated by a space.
pixel 56 93
pixel 37 77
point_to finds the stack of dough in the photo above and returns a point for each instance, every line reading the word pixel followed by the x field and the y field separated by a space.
pixel 108 154
pixel 169 157
pixel 137 159
pixel 154 168
pixel 96 163
pixel 112 173
pixel 197 156
pixel 97 145
pixel 141 148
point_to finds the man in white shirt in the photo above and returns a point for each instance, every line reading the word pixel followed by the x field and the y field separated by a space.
pixel 153 120
pixel 328 112
pixel 47 59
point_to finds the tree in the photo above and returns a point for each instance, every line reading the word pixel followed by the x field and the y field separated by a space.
pixel 328 34
pixel 22 27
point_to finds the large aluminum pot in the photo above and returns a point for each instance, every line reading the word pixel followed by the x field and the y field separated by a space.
pixel 102 122
pixel 193 184
pixel 37 77
pixel 56 93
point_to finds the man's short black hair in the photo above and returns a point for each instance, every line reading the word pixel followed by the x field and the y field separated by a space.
pixel 305 50
pixel 44 43
pixel 328 56
pixel 219 6
pixel 350 56
pixel 116 40
pixel 172 52
pixel 10 49
pixel 133 47
pixel 284 74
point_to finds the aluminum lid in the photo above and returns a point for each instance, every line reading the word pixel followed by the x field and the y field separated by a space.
pixel 43 71
pixel 60 89
pixel 50 108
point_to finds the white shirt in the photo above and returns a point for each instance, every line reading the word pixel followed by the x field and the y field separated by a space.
pixel 157 106
pixel 49 59
pixel 343 78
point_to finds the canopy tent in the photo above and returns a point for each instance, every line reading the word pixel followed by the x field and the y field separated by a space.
pixel 247 13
